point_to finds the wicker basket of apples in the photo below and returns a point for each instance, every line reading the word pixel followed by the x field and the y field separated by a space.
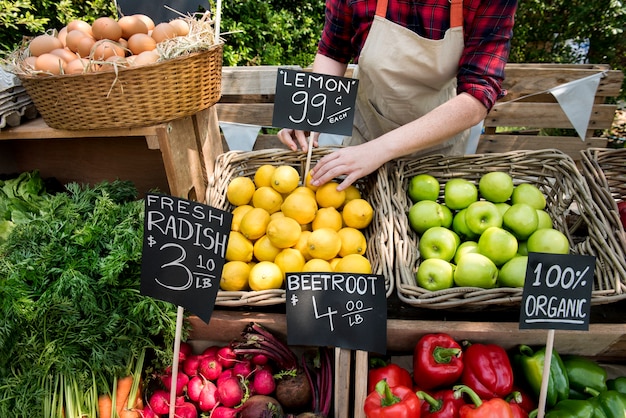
pixel 464 227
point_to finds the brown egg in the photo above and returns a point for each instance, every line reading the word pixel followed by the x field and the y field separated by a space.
pixel 62 34
pixel 132 25
pixel 106 28
pixel 78 66
pixel 163 31
pixel 146 57
pixel 105 49
pixel 141 42
pixel 64 53
pixel 124 44
pixel 113 61
pixel 50 63
pixel 74 37
pixel 147 20
pixel 29 63
pixel 85 45
pixel 43 44
pixel 80 25
pixel 182 27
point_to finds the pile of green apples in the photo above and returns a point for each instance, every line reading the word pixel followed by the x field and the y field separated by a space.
pixel 479 234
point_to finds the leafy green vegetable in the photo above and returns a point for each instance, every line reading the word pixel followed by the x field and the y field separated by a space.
pixel 69 297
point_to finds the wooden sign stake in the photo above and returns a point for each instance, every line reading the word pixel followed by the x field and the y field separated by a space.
pixel 546 374
pixel 179 327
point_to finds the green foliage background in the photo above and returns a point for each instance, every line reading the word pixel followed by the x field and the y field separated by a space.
pixel 284 32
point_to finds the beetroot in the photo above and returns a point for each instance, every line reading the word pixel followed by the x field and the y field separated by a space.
pixel 263 382
pixel 260 406
pixel 209 367
pixel 230 391
pixel 160 402
pixel 208 397
pixel 294 391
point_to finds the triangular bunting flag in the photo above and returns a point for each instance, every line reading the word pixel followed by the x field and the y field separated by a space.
pixel 576 100
pixel 239 136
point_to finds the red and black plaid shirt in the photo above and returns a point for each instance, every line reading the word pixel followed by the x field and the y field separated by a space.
pixel 487 25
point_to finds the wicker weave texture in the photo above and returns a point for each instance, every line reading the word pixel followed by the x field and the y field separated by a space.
pixel 129 97
pixel 373 188
pixel 569 203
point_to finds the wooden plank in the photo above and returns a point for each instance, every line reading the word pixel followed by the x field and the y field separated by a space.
pixel 545 115
pixel 341 382
pixel 251 80
pixel 250 113
pixel 361 367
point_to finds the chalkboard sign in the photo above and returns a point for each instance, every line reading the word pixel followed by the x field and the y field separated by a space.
pixel 184 252
pixel 314 102
pixel 557 292
pixel 338 310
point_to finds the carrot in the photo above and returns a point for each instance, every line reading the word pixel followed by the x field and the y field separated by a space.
pixel 121 394
pixel 105 406
pixel 130 413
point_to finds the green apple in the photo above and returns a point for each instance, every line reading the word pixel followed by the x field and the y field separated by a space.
pixel 425 214
pixel 498 244
pixel 447 216
pixel 522 247
pixel 503 207
pixel 482 215
pixel 423 187
pixel 530 194
pixel 438 242
pixel 544 220
pixel 459 193
pixel 460 226
pixel 521 219
pixel 435 274
pixel 475 270
pixel 496 186
pixel 464 248
pixel 548 240
pixel 513 272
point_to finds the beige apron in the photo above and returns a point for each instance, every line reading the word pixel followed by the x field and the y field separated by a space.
pixel 402 76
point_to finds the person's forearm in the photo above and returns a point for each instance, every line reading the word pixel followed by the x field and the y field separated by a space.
pixel 324 65
pixel 452 117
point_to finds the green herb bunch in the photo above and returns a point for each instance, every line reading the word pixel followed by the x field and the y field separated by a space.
pixel 69 299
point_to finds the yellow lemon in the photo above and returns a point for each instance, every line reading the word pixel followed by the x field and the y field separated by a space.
pixel 317 265
pixel 267 198
pixel 264 250
pixel 352 241
pixel 333 262
pixel 235 276
pixel 263 175
pixel 278 214
pixel 240 190
pixel 302 244
pixel 238 213
pixel 285 179
pixel 354 263
pixel 327 218
pixel 357 213
pixel 324 243
pixel 239 247
pixel 307 181
pixel 283 232
pixel 290 260
pixel 254 223
pixel 299 206
pixel 305 190
pixel 352 192
pixel 327 195
pixel 265 275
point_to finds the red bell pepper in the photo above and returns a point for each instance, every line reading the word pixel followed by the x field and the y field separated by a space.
pixel 478 408
pixel 487 370
pixel 394 374
pixel 396 402
pixel 437 361
pixel 522 399
pixel 441 404
pixel 515 402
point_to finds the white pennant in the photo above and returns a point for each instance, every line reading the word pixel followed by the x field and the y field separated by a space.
pixel 239 136
pixel 576 99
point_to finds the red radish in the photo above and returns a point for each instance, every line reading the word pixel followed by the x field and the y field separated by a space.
pixel 194 387
pixel 230 392
pixel 224 412
pixel 208 397
pixel 210 368
pixel 225 374
pixel 263 382
pixel 147 412
pixel 621 206
pixel 190 365
pixel 227 357
pixel 160 402
pixel 211 351
pixel 184 351
pixel 242 368
pixel 259 359
pixel 181 382
pixel 186 410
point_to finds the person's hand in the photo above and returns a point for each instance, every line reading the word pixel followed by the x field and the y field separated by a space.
pixel 292 138
pixel 354 162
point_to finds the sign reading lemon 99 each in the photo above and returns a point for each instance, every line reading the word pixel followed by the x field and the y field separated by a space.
pixel 184 252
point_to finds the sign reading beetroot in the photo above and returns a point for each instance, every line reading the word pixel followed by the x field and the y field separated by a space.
pixel 184 252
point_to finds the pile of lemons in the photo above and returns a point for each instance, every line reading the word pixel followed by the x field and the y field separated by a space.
pixel 283 224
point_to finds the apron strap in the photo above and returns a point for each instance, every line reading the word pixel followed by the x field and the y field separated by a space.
pixel 456 11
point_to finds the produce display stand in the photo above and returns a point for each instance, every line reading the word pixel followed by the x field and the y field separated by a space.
pixel 188 150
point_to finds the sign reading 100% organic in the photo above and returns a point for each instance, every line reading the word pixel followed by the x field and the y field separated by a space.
pixel 557 292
